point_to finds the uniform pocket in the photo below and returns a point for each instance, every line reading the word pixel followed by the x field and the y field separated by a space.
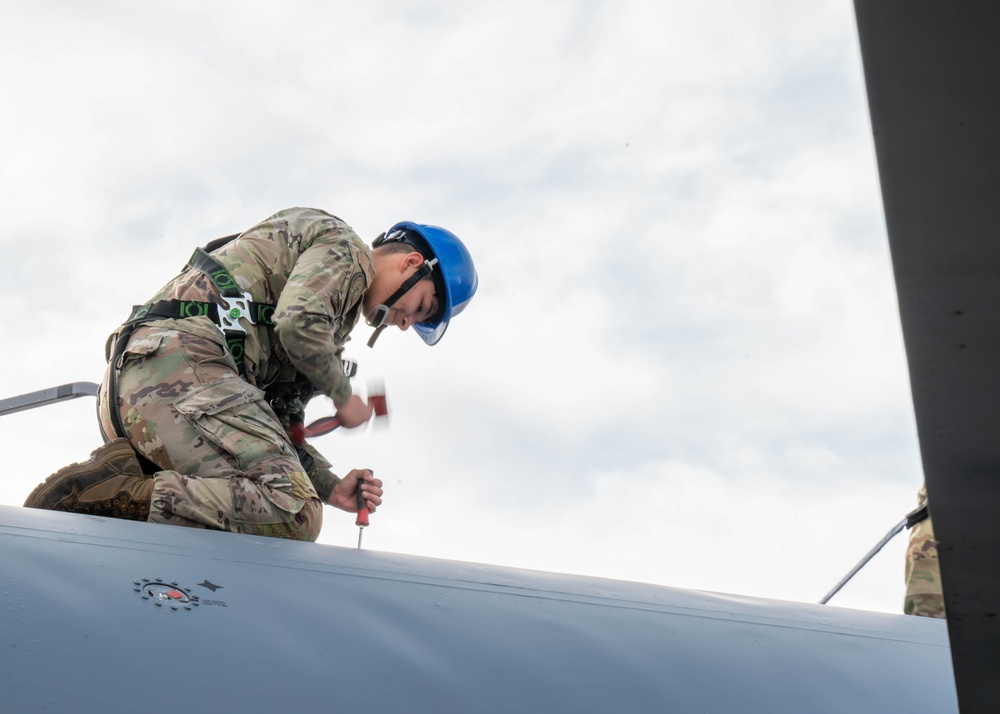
pixel 232 415
pixel 142 344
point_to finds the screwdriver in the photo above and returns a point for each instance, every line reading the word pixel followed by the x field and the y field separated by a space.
pixel 362 519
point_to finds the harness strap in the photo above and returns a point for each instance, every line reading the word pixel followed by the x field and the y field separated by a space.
pixel 113 410
pixel 918 514
pixel 259 313
pixel 238 305
pixel 220 277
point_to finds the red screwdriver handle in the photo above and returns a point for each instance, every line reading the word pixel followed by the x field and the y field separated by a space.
pixel 362 519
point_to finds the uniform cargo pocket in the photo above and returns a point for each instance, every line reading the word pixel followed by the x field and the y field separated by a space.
pixel 232 415
pixel 141 345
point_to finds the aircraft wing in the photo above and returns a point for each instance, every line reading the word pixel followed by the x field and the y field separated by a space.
pixel 932 71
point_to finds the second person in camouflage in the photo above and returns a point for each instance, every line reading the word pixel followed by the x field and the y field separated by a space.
pixel 924 594
pixel 211 417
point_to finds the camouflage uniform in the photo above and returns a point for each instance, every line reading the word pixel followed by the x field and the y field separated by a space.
pixel 923 574
pixel 218 439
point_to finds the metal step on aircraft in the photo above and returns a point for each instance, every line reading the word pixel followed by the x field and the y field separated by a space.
pixel 117 616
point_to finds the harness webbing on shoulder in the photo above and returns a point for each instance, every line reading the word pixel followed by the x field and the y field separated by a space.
pixel 237 305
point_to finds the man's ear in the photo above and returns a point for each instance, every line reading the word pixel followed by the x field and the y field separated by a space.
pixel 411 260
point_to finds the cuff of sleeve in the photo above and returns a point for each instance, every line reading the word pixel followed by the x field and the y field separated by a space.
pixel 323 480
pixel 318 470
pixel 341 392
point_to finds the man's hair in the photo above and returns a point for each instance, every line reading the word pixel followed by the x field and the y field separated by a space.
pixel 398 248
pixel 395 246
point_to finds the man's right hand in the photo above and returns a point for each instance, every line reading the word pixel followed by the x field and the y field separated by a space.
pixel 345 493
pixel 354 412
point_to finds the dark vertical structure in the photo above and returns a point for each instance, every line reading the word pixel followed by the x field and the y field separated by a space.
pixel 932 69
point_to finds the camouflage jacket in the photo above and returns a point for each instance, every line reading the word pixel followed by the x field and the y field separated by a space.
pixel 315 269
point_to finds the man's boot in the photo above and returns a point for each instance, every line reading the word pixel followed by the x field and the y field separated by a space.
pixel 111 484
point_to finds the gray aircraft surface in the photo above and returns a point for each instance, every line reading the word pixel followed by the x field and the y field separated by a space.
pixel 116 616
pixel 105 615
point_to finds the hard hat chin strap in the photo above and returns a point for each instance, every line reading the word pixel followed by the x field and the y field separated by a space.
pixel 381 312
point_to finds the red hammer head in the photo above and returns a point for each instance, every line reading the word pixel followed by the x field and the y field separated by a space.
pixel 377 402
pixel 376 398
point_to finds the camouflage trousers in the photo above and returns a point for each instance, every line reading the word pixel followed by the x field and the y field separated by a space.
pixel 924 595
pixel 226 462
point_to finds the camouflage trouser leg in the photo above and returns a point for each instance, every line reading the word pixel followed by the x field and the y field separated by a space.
pixel 227 463
pixel 923 574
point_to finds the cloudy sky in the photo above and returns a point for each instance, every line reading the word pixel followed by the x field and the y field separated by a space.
pixel 684 364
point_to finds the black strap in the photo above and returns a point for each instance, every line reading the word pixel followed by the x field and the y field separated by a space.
pixel 214 245
pixel 216 272
pixel 113 409
pixel 260 312
pixel 920 513
pixel 375 334
pixel 425 270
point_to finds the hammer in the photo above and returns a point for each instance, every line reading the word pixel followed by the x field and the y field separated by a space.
pixel 324 425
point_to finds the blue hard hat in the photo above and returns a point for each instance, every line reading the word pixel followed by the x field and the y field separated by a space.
pixel 454 273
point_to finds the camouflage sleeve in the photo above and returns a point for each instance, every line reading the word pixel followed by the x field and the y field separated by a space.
pixel 318 470
pixel 289 403
pixel 327 282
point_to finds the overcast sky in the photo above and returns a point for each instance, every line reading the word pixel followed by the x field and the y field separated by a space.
pixel 684 364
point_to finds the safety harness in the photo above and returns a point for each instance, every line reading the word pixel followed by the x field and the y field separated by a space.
pixel 238 305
